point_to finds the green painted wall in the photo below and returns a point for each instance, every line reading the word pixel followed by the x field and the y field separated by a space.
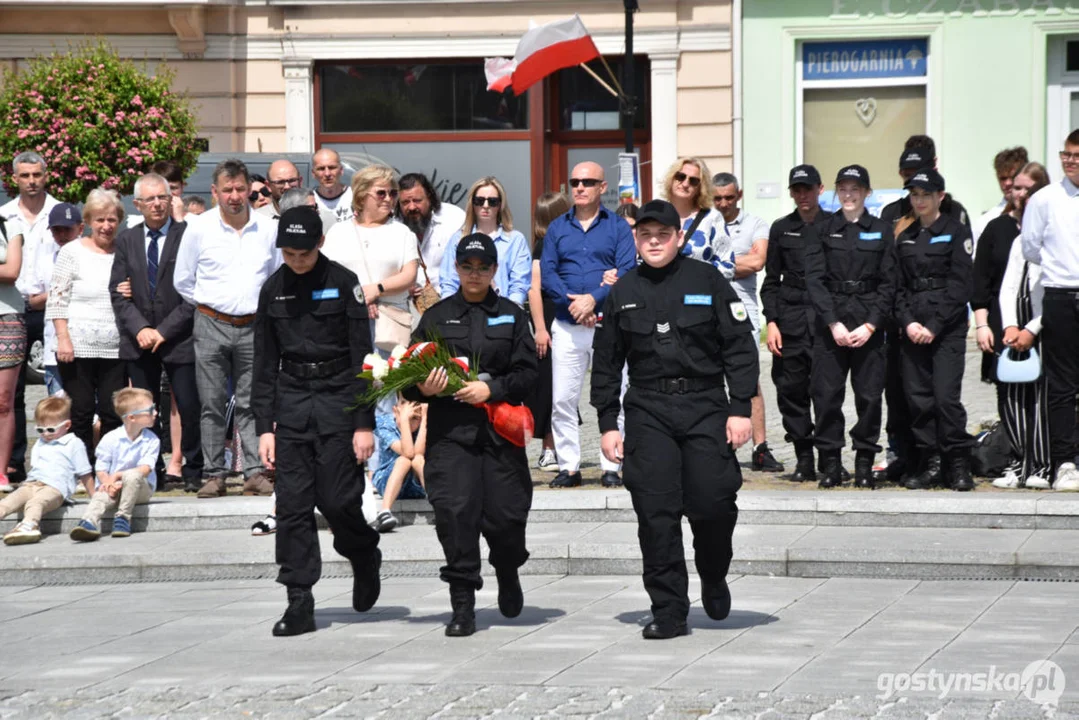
pixel 987 81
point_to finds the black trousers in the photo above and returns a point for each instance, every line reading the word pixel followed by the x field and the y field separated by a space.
pixel 791 374
pixel 486 489
pixel 866 366
pixel 145 372
pixel 316 470
pixel 1060 346
pixel 898 425
pixel 677 462
pixel 933 379
pixel 90 383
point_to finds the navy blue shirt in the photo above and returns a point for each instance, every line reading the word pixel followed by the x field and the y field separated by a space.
pixel 574 259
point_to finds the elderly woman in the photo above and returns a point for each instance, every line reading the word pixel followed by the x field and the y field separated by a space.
pixel 12 339
pixel 80 308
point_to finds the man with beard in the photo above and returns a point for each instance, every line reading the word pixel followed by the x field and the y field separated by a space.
pixel 434 223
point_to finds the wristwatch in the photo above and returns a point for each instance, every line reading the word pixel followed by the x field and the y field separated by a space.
pixel 381 289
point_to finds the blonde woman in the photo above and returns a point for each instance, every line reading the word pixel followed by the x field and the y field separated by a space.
pixel 688 186
pixel 487 211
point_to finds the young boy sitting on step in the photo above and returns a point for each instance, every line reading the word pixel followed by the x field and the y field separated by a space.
pixel 125 466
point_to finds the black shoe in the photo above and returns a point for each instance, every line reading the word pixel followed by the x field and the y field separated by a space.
pixel 803 471
pixel 610 479
pixel 299 618
pixel 511 599
pixel 366 583
pixel 566 479
pixel 664 629
pixel 928 477
pixel 863 470
pixel 961 478
pixel 716 599
pixel 17 476
pixel 844 474
pixel 192 485
pixel 831 467
pixel 764 461
pixel 463 623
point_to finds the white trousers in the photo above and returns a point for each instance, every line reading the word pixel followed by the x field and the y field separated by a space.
pixel 571 355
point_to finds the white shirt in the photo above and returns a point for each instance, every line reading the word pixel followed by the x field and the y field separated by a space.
pixel 1009 291
pixel 990 215
pixel 160 241
pixel 340 206
pixel 117 453
pixel 744 231
pixel 32 234
pixel 373 253
pixel 79 293
pixel 59 463
pixel 223 269
pixel 40 282
pixel 1051 233
pixel 327 217
pixel 444 225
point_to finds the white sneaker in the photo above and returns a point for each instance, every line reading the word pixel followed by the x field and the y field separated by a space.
pixel 547 460
pixel 1010 481
pixel 1037 482
pixel 25 532
pixel 1067 478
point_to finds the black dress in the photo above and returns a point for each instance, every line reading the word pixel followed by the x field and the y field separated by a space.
pixel 990 263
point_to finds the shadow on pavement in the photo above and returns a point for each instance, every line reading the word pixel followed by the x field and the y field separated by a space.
pixel 489 617
pixel 737 620
pixel 324 617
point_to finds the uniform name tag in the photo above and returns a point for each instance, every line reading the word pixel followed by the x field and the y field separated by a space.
pixel 869 236
pixel 325 294
pixel 941 238
pixel 500 320
pixel 698 300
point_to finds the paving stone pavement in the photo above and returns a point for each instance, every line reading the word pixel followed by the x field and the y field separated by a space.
pixel 792 648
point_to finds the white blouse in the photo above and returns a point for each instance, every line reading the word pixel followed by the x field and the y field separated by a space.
pixel 79 293
pixel 1009 290
pixel 373 253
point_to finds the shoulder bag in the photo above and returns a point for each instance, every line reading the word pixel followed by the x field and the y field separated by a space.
pixel 429 295
pixel 393 326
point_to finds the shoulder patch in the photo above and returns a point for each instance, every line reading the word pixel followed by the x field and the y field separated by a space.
pixel 940 239
pixel 738 311
pixel 870 236
pixel 968 245
pixel 500 320
pixel 697 300
pixel 357 292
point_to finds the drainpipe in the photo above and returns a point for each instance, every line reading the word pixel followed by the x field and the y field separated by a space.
pixel 736 87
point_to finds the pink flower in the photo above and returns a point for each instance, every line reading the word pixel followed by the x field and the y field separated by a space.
pixel 136 101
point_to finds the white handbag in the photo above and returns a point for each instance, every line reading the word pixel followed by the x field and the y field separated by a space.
pixel 1012 370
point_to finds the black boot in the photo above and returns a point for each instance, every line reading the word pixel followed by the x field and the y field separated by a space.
pixel 511 599
pixel 803 471
pixel 961 478
pixel 929 476
pixel 299 618
pixel 831 467
pixel 463 623
pixel 664 629
pixel 716 599
pixel 863 470
pixel 366 583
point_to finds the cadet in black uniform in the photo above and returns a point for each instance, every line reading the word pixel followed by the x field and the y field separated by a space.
pixel 936 283
pixel 682 330
pixel 476 480
pixel 851 274
pixel 311 336
pixel 790 314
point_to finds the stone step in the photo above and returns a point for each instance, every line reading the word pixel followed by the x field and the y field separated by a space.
pixel 883 508
pixel 577 548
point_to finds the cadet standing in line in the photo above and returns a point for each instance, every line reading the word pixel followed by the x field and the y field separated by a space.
pixel 478 481
pixel 791 325
pixel 936 283
pixel 682 330
pixel 851 274
pixel 311 336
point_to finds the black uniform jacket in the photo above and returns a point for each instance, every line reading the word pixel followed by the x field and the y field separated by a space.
pixel 166 311
pixel 496 332
pixel 784 299
pixel 683 320
pixel 317 317
pixel 937 255
pixel 851 270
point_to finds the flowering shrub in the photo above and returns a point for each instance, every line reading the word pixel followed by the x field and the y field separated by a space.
pixel 96 119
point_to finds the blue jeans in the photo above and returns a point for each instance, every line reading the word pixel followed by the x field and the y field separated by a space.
pixel 53 384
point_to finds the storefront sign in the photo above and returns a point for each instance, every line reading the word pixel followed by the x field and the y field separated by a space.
pixel 973 8
pixel 862 59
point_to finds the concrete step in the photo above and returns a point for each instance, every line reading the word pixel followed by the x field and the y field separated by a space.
pixel 577 548
pixel 1020 510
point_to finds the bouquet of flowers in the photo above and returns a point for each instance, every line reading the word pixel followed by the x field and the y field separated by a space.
pixel 407 367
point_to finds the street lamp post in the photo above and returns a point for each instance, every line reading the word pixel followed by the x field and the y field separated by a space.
pixel 629 102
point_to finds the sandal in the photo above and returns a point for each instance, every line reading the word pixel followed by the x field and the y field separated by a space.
pixel 268 526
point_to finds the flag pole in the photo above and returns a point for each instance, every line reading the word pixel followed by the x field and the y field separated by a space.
pixel 611 74
pixel 628 102
pixel 600 80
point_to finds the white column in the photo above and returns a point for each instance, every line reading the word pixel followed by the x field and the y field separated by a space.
pixel 299 105
pixel 664 113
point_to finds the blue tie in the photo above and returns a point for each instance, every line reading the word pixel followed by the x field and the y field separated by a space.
pixel 151 261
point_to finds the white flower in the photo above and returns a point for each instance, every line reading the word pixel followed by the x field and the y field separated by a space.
pixel 370 359
pixel 398 352
pixel 379 368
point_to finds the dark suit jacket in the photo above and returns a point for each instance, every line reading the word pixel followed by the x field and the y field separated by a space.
pixel 167 312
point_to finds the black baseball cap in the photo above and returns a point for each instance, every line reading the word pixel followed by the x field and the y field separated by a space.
pixel 926 179
pixel 915 159
pixel 804 175
pixel 857 173
pixel 659 211
pixel 64 215
pixel 299 228
pixel 477 245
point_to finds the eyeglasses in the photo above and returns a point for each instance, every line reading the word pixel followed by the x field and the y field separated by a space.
pixel 587 182
pixel 155 198
pixel 681 177
pixel 473 269
pixel 144 411
pixel 383 194
pixel 494 202
pixel 254 196
pixel 286 181
pixel 53 429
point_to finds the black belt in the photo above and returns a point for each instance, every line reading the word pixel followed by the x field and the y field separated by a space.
pixel 316 370
pixel 926 284
pixel 852 287
pixel 794 281
pixel 678 386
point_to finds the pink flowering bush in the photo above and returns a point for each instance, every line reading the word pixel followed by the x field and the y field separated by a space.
pixel 96 119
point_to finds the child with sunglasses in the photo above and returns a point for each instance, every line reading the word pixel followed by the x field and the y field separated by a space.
pixel 124 465
pixel 57 462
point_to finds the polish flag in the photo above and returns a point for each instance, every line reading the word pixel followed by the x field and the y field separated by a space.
pixel 543 50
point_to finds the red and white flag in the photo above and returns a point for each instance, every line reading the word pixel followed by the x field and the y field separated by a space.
pixel 543 50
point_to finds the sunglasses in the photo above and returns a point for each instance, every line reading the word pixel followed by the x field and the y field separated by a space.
pixel 148 410
pixel 51 430
pixel 383 194
pixel 494 202
pixel 681 177
pixel 587 182
pixel 254 196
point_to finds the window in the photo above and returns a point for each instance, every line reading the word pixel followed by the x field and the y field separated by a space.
pixel 583 104
pixel 415 97
pixel 1072 56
